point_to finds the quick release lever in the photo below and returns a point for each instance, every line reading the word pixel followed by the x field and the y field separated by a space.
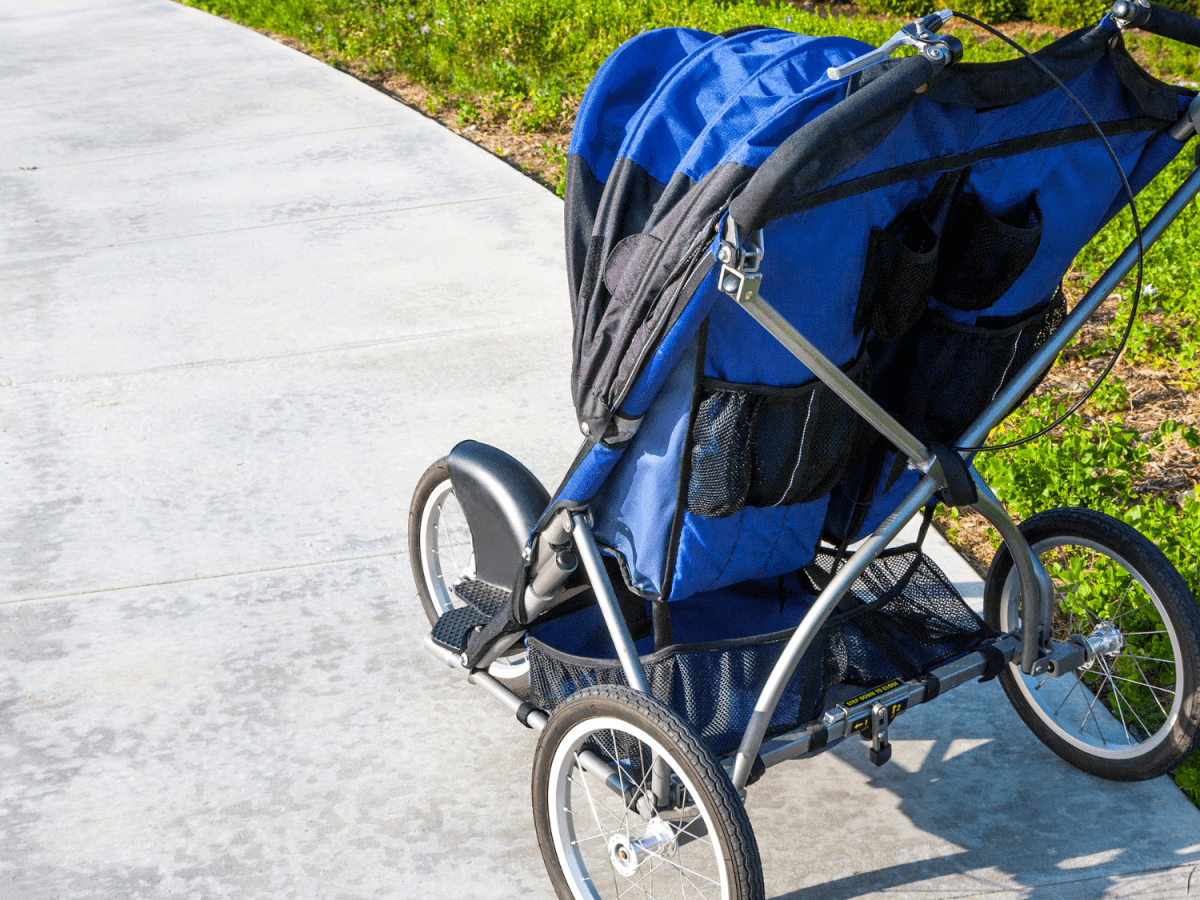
pixel 921 34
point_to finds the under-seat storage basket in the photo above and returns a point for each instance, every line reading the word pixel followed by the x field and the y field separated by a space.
pixel 901 618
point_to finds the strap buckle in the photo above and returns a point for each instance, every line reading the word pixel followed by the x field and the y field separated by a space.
pixel 740 277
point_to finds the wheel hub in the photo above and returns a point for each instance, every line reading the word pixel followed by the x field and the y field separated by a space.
pixel 628 853
pixel 1106 640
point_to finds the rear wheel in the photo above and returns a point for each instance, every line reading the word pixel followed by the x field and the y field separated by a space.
pixel 1134 711
pixel 442 554
pixel 604 830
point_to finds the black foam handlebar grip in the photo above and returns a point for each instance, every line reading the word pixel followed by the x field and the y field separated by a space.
pixel 805 159
pixel 1165 22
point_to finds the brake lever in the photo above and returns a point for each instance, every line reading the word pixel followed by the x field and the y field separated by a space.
pixel 920 33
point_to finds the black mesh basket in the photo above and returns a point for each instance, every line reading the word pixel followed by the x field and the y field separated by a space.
pixel 901 618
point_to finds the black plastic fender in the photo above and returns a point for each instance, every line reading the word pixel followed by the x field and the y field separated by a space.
pixel 502 501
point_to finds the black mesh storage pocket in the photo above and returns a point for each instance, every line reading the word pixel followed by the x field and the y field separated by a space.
pixel 762 446
pixel 804 441
pixel 983 255
pixel 959 369
pixel 721 453
pixel 898 280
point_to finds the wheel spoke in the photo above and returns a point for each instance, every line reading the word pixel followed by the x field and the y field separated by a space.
pixel 1124 594
pixel 1142 672
pixel 1117 702
pixel 1128 612
pixel 1078 681
pixel 1091 706
pixel 1128 655
pixel 587 790
pixel 1153 687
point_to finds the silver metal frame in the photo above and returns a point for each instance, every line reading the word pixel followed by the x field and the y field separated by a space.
pixel 1032 647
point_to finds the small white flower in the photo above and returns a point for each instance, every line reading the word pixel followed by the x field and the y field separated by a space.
pixel 1149 290
pixel 425 29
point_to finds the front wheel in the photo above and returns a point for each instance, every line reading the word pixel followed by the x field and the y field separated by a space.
pixel 1133 712
pixel 442 553
pixel 629 801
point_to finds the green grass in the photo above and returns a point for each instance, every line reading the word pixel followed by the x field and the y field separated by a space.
pixel 532 59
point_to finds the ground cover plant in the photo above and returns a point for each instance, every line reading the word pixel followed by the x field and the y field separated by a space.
pixel 509 75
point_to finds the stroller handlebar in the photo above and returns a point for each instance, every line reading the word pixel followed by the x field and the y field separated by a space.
pixel 1160 20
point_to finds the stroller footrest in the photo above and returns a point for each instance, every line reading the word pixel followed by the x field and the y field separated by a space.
pixel 487 598
pixel 454 628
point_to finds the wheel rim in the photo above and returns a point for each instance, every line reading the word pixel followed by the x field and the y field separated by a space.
pixel 448 558
pixel 449 553
pixel 590 821
pixel 1125 703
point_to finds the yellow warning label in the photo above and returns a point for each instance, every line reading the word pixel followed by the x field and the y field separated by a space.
pixel 872 694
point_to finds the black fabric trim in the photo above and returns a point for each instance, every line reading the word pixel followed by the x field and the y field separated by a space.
pixel 1011 147
pixel 685 467
pixel 818 738
pixel 523 712
pixel 996 661
pixel 741 29
pixel 959 489
pixel 986 86
pixel 933 687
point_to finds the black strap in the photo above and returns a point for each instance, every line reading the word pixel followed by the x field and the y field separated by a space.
pixel 818 738
pixel 959 488
pixel 933 687
pixel 925 520
pixel 660 618
pixel 523 712
pixel 996 661
pixel 757 770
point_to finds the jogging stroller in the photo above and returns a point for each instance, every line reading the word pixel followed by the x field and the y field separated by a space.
pixel 712 589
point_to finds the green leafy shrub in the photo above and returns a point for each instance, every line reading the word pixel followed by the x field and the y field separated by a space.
pixel 989 11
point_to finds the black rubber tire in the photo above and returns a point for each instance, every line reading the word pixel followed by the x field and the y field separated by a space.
pixel 728 849
pixel 1160 595
pixel 433 496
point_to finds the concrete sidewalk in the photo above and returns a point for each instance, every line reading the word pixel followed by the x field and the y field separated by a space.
pixel 246 301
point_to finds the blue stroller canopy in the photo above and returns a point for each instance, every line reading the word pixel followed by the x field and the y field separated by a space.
pixel 920 246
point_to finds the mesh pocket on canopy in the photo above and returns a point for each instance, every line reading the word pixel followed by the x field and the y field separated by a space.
pixel 983 255
pixel 902 262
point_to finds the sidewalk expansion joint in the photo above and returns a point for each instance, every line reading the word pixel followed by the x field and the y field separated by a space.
pixel 115 589
pixel 253 360
pixel 537 190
